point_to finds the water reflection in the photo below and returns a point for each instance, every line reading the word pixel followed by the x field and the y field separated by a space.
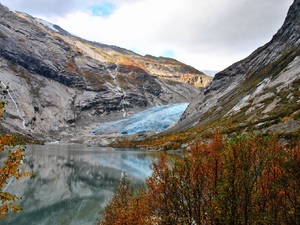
pixel 73 182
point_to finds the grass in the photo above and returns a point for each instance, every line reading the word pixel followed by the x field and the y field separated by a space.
pixel 95 80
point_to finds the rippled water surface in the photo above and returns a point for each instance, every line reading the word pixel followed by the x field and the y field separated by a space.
pixel 73 182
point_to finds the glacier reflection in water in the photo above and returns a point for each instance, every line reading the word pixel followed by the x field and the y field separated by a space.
pixel 73 182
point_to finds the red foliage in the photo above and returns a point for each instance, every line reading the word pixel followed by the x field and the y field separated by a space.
pixel 241 180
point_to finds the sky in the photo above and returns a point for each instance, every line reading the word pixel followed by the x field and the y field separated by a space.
pixel 206 34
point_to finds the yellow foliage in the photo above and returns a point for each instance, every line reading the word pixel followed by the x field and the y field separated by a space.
pixel 10 168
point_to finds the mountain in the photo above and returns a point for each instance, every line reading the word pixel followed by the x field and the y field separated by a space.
pixel 211 73
pixel 260 92
pixel 63 86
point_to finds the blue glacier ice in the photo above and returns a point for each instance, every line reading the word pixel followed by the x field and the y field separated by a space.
pixel 154 119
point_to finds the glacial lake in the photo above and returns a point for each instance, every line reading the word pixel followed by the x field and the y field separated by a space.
pixel 73 182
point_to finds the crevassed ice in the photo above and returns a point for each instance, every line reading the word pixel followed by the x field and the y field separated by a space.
pixel 154 119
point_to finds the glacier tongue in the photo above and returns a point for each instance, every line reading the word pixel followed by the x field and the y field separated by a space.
pixel 154 119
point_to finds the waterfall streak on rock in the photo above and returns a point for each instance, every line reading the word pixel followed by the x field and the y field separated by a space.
pixel 119 89
pixel 8 184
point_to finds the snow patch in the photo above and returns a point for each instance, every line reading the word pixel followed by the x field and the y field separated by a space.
pixel 154 119
pixel 46 24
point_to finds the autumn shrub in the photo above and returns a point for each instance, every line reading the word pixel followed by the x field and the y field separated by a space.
pixel 241 180
pixel 128 206
pixel 12 149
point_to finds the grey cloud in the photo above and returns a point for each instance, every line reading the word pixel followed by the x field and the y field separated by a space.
pixel 230 27
pixel 45 8
pixel 242 25
pixel 55 7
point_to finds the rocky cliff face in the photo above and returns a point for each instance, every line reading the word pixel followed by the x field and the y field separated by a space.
pixel 63 85
pixel 259 92
pixel 171 69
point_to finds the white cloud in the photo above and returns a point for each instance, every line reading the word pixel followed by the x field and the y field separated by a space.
pixel 205 34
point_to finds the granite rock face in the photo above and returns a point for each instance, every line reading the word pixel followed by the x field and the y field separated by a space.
pixel 62 85
pixel 258 92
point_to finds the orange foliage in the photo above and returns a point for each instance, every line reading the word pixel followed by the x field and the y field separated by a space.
pixel 127 207
pixel 241 180
pixel 10 168
pixel 70 66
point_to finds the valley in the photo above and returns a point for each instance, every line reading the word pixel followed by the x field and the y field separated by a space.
pixel 62 86
pixel 146 139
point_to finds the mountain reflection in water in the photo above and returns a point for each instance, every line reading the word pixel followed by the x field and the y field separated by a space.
pixel 73 182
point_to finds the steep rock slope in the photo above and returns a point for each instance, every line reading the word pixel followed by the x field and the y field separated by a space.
pixel 61 84
pixel 259 92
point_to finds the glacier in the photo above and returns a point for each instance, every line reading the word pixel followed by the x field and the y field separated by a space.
pixel 154 119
